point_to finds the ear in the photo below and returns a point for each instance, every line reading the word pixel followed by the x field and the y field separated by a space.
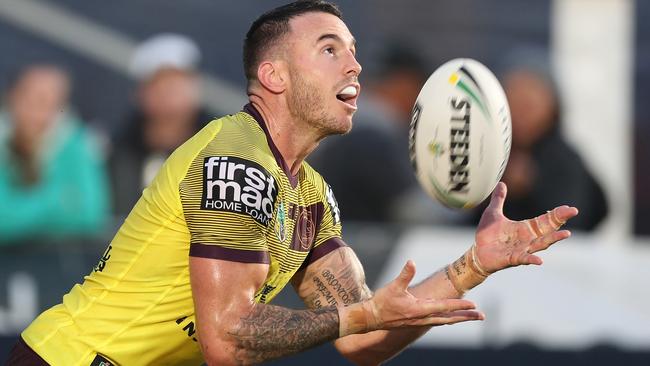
pixel 271 76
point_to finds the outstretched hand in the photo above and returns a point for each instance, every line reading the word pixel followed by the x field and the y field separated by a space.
pixel 503 243
pixel 393 306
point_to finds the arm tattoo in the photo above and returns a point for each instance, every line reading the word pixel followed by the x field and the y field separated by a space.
pixel 334 288
pixel 270 332
pixel 459 266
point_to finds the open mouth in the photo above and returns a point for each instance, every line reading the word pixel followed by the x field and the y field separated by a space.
pixel 348 95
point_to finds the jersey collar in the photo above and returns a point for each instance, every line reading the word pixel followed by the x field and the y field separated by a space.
pixel 293 179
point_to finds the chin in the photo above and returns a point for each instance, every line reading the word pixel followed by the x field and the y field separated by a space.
pixel 335 126
pixel 344 126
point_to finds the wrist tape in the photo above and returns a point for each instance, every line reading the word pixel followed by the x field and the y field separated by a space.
pixel 466 272
pixel 358 318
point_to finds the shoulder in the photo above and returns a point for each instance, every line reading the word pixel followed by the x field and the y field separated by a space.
pixel 228 135
pixel 237 148
pixel 232 162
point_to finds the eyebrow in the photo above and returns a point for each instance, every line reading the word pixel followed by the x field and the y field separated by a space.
pixel 335 37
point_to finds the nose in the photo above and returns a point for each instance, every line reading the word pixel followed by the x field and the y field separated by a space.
pixel 353 67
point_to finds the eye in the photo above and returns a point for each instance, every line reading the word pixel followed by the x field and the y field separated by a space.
pixel 329 50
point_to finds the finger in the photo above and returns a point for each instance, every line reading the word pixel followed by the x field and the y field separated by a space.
pixel 551 220
pixel 406 275
pixel 463 315
pixel 547 240
pixel 472 314
pixel 528 259
pixel 498 198
pixel 449 318
pixel 535 227
pixel 428 307
pixel 564 213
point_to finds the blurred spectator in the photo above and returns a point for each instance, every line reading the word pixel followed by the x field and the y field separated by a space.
pixel 543 170
pixel 396 81
pixel 369 168
pixel 52 181
pixel 167 113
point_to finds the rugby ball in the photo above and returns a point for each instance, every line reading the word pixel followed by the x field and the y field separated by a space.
pixel 460 133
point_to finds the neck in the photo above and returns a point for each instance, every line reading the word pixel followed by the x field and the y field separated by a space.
pixel 293 138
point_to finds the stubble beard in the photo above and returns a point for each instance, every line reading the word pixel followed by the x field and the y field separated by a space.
pixel 307 103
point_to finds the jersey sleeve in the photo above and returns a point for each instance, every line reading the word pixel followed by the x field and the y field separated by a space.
pixel 328 236
pixel 228 203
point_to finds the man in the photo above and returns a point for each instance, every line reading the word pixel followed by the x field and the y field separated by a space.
pixel 252 216
pixel 167 112
pixel 52 178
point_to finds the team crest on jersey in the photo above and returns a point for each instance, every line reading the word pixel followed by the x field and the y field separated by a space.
pixel 304 230
pixel 238 185
pixel 280 223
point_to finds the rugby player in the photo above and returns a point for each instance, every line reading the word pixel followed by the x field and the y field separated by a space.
pixel 235 214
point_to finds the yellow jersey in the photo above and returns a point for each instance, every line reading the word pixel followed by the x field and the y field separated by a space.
pixel 227 194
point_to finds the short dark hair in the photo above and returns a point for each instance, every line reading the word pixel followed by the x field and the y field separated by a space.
pixel 268 29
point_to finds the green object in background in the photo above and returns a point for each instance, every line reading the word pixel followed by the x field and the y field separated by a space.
pixel 71 196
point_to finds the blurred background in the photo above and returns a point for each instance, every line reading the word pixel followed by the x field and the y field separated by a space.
pixel 96 94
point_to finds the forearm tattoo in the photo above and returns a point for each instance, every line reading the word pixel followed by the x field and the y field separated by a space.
pixel 336 288
pixel 270 332
pixel 459 267
pixel 464 273
pixel 332 289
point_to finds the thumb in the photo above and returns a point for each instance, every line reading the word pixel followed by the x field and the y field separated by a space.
pixel 406 276
pixel 498 198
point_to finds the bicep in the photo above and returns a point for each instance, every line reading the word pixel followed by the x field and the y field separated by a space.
pixel 223 292
pixel 336 279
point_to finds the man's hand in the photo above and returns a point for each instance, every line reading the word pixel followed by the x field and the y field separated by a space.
pixel 503 243
pixel 393 306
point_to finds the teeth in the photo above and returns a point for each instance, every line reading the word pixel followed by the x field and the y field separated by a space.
pixel 349 91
